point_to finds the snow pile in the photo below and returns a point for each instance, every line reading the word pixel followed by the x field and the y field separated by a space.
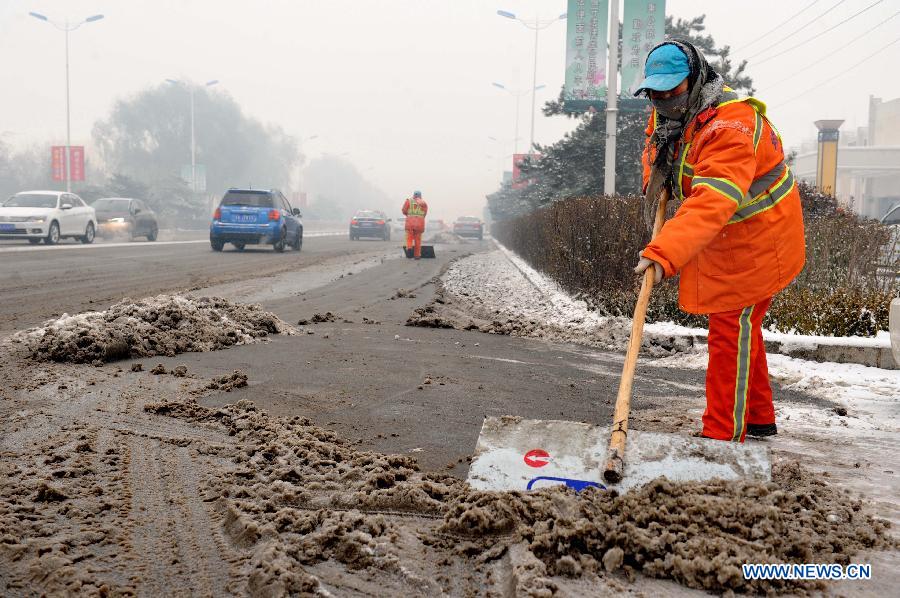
pixel 299 495
pixel 515 299
pixel 161 325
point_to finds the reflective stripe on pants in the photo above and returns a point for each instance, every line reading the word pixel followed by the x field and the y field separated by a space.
pixel 737 379
pixel 414 241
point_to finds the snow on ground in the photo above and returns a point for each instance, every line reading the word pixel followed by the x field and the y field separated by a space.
pixel 506 283
pixel 499 284
pixel 855 441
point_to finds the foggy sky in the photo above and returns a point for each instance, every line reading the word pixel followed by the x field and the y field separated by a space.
pixel 404 86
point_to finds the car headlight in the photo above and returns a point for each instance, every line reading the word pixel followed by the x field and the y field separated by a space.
pixel 116 220
pixel 35 218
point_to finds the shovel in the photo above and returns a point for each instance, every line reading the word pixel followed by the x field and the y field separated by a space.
pixel 520 454
pixel 427 251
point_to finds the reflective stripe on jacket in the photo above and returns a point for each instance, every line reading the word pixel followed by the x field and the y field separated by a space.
pixel 737 236
pixel 415 211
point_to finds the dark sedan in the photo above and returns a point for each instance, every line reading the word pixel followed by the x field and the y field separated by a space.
pixel 124 216
pixel 370 223
pixel 468 226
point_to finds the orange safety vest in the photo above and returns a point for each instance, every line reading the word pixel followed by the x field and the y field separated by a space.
pixel 415 211
pixel 737 236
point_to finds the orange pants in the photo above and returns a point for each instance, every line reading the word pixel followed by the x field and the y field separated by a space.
pixel 414 237
pixel 737 379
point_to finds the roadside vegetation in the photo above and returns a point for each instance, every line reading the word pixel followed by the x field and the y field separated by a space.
pixel 563 225
pixel 142 149
pixel 590 245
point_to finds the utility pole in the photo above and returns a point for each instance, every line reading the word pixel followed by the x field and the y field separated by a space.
pixel 193 146
pixel 518 93
pixel 190 87
pixel 537 25
pixel 68 120
pixel 537 28
pixel 67 27
pixel 612 96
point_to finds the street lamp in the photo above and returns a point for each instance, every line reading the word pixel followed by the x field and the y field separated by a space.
pixel 518 93
pixel 193 140
pixel 537 24
pixel 303 140
pixel 67 27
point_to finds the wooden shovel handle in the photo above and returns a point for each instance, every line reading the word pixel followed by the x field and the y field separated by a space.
pixel 615 461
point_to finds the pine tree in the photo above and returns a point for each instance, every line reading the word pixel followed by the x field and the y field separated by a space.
pixel 573 166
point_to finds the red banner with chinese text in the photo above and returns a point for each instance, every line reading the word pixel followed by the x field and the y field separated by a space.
pixel 76 162
pixel 58 162
pixel 517 181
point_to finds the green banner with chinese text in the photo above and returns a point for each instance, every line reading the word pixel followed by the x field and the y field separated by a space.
pixel 643 27
pixel 587 30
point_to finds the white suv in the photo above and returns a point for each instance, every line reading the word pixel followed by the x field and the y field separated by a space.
pixel 47 215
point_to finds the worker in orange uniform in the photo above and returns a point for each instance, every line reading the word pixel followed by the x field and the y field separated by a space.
pixel 737 236
pixel 415 210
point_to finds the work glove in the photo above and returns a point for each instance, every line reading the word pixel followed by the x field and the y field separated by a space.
pixel 645 263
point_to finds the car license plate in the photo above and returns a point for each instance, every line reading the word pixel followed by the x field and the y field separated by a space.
pixel 7 227
pixel 246 218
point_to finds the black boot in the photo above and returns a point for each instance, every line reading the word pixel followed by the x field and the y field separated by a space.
pixel 761 430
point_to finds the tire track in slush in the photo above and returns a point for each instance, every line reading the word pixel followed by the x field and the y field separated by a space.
pixel 173 533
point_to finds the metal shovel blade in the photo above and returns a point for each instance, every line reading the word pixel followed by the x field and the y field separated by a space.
pixel 525 454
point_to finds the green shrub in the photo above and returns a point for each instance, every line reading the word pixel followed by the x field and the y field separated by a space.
pixel 844 311
pixel 590 246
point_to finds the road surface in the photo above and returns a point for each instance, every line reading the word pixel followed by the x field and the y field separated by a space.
pixel 353 377
pixel 104 497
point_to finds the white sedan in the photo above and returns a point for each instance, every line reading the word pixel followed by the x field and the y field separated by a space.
pixel 47 216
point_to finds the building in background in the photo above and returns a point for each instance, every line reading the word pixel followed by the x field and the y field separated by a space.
pixel 868 170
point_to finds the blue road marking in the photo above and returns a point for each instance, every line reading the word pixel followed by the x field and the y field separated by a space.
pixel 577 485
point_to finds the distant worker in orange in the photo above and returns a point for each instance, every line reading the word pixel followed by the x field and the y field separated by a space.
pixel 737 237
pixel 415 210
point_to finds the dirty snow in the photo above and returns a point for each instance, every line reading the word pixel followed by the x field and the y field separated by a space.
pixel 496 292
pixel 502 283
pixel 122 483
pixel 856 440
pixel 161 325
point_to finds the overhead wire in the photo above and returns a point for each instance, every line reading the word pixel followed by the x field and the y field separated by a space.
pixel 820 34
pixel 776 27
pixel 841 73
pixel 796 31
pixel 832 53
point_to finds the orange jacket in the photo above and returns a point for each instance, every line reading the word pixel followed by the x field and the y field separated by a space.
pixel 415 211
pixel 737 237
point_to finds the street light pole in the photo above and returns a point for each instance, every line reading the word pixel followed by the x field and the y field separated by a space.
pixel 300 183
pixel 533 85
pixel 518 93
pixel 68 157
pixel 537 25
pixel 193 147
pixel 193 135
pixel 612 96
pixel 67 27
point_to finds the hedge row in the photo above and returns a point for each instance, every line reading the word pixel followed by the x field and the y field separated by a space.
pixel 590 245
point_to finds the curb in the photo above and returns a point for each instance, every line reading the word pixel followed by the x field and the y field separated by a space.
pixel 875 357
pixel 870 353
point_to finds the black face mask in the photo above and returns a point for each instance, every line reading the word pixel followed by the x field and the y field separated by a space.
pixel 674 107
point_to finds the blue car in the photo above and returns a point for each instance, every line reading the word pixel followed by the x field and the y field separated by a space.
pixel 254 217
